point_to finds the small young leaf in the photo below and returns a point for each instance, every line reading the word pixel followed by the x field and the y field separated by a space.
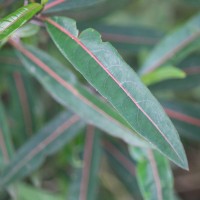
pixel 191 67
pixel 106 71
pixel 15 20
pixel 163 73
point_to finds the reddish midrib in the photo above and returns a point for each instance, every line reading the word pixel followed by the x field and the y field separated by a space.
pixel 111 75
pixel 182 117
pixel 64 83
pixel 87 158
pixel 67 124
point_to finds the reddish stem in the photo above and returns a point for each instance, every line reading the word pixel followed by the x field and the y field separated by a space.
pixel 53 4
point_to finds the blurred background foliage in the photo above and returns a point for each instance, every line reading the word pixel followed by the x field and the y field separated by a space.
pixel 134 27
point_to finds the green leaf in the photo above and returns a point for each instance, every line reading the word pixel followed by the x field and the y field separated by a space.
pixel 63 87
pixel 43 2
pixel 85 179
pixel 6 148
pixel 10 23
pixel 103 67
pixel 31 193
pixel 191 67
pixel 185 116
pixel 153 174
pixel 174 46
pixel 163 73
pixel 47 141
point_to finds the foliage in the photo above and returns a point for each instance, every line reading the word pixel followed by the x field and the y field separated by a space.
pixel 82 118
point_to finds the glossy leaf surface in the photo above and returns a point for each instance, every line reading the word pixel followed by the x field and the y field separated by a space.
pixel 15 20
pixel 103 67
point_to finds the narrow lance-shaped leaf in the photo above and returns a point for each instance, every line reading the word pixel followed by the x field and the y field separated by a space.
pixel 164 73
pixel 6 148
pixel 153 174
pixel 174 46
pixel 47 141
pixel 103 67
pixel 61 84
pixel 15 20
pixel 85 183
pixel 191 67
